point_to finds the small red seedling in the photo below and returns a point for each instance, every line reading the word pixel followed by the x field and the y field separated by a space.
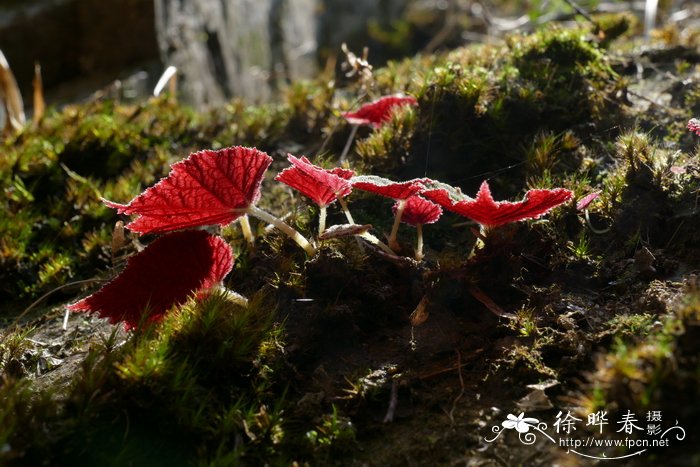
pixel 375 113
pixel 694 126
pixel 584 202
pixel 489 213
pixel 154 280
pixel 398 191
pixel 322 186
pixel 207 188
pixel 417 211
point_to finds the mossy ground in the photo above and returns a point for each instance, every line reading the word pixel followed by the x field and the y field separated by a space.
pixel 606 309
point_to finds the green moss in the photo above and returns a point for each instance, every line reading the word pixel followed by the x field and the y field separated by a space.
pixel 654 366
pixel 219 384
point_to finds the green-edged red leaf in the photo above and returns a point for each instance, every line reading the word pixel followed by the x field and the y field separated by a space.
pixel 207 188
pixel 385 187
pixel 165 273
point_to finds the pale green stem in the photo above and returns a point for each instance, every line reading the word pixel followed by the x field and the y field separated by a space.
pixel 321 220
pixel 395 228
pixel 245 228
pixel 419 242
pixel 346 211
pixel 366 235
pixel 375 241
pixel 284 227
pixel 351 138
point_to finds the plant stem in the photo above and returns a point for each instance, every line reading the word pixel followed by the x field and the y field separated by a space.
pixel 367 236
pixel 419 242
pixel 245 228
pixel 321 220
pixel 235 297
pixel 375 241
pixel 346 211
pixel 351 138
pixel 284 227
pixel 395 228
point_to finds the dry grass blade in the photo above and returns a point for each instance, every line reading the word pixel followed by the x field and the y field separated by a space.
pixel 650 8
pixel 39 103
pixel 344 230
pixel 168 76
pixel 420 314
pixel 488 302
pixel 10 97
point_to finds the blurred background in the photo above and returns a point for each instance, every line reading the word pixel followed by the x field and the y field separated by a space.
pixel 253 48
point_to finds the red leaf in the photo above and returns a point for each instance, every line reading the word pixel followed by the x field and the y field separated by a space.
pixel 418 210
pixel 346 174
pixel 490 213
pixel 321 185
pixel 165 273
pixel 694 126
pixel 586 200
pixel 388 188
pixel 207 188
pixel 378 112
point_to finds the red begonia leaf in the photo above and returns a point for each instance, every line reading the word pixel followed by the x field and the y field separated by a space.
pixel 694 126
pixel 586 200
pixel 490 213
pixel 385 187
pixel 321 185
pixel 165 273
pixel 207 188
pixel 442 193
pixel 418 210
pixel 346 174
pixel 378 112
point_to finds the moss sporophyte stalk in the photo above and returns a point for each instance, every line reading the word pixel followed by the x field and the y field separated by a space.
pixel 219 187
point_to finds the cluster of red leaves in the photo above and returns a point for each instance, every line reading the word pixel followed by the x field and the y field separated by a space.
pixel 217 187
pixel 155 280
pixel 207 188
pixel 378 112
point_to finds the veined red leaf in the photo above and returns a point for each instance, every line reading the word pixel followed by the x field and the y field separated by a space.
pixel 490 213
pixel 385 187
pixel 207 188
pixel 378 112
pixel 418 210
pixel 321 185
pixel 165 273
